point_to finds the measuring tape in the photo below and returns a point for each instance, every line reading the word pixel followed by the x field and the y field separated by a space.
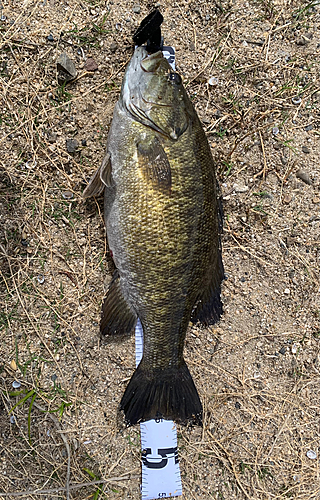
pixel 160 465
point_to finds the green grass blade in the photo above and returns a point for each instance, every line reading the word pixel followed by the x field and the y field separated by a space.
pixel 29 416
pixel 19 403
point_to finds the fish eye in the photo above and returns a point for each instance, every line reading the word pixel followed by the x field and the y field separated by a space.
pixel 175 78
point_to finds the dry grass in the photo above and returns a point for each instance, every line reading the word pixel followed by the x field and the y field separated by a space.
pixel 64 439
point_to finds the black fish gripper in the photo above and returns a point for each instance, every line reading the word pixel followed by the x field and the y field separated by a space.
pixel 149 31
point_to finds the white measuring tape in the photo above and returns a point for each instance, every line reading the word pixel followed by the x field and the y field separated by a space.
pixel 169 54
pixel 160 465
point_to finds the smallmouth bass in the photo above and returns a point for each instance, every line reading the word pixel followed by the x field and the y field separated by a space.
pixel 163 223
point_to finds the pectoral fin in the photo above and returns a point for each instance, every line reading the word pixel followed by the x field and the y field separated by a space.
pixel 154 164
pixel 100 179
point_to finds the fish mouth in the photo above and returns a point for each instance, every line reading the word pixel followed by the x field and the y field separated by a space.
pixel 150 63
pixel 144 61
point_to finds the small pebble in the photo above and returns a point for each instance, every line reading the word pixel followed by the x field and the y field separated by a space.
pixel 237 405
pixel 90 108
pixel 275 130
pixel 304 177
pixel 287 198
pixel 90 64
pixel 13 419
pixel 67 195
pixel 13 365
pixel 54 377
pixel 52 137
pixel 31 164
pixel 296 100
pixel 136 9
pixel 16 384
pixel 41 279
pixel 50 38
pixel 294 348
pixel 302 41
pixel 282 350
pixel 113 46
pixel 83 142
pixel 58 357
pixel 287 291
pixel 311 454
pixel 213 81
pixel 305 149
pixel 66 67
pixel 308 127
pixel 72 145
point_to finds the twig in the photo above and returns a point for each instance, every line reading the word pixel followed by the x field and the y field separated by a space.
pixel 264 157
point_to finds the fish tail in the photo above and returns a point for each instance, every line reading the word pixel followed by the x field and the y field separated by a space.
pixel 163 393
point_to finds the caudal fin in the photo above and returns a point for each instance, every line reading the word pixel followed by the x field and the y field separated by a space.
pixel 170 394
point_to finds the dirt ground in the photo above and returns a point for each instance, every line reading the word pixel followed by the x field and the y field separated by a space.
pixel 252 70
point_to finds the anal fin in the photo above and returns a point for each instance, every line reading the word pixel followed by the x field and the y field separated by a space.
pixel 117 317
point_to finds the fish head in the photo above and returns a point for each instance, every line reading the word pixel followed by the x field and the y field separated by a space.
pixel 154 95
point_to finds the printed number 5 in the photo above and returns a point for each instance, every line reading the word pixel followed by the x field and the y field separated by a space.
pixel 163 452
